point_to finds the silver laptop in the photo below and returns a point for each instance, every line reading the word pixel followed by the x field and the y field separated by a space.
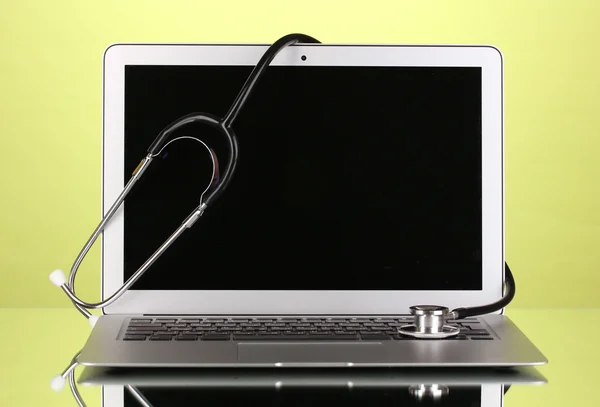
pixel 370 179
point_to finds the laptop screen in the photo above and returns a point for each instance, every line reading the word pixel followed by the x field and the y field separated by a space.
pixel 349 178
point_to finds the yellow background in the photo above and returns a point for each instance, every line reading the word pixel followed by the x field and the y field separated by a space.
pixel 50 119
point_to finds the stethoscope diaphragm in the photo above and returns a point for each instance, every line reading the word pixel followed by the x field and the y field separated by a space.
pixel 429 323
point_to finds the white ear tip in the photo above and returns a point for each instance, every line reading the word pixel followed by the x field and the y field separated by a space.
pixel 57 383
pixel 93 319
pixel 58 278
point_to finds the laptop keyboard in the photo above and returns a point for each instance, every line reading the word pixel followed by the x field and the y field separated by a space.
pixel 284 328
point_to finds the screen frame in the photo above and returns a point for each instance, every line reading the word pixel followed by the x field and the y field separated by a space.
pixel 282 302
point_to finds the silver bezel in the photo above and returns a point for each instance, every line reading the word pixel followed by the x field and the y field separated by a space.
pixel 301 302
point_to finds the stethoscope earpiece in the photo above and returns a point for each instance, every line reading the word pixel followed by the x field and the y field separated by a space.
pixel 58 278
pixel 58 383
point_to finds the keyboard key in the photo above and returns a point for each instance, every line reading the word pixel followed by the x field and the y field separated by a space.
pixel 481 338
pixel 215 337
pixel 374 325
pixel 134 338
pixel 477 332
pixel 141 319
pixel 145 328
pixel 186 320
pixel 161 337
pixel 145 325
pixel 139 333
pixel 165 320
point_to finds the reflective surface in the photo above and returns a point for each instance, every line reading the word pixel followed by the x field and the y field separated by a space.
pixel 38 343
pixel 283 387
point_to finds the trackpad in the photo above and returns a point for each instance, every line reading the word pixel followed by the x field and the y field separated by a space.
pixel 314 352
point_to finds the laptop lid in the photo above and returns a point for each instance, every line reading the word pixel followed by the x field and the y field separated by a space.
pixel 370 179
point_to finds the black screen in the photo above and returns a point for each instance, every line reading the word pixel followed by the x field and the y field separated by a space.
pixel 304 396
pixel 349 178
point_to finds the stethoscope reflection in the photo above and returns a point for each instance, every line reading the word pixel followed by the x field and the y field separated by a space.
pixel 59 381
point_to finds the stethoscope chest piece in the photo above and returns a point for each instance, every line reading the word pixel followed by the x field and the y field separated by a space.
pixel 429 323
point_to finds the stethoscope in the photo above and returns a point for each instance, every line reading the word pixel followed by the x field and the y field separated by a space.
pixel 430 322
pixel 210 195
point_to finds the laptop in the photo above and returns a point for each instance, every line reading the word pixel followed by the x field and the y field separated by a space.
pixel 414 386
pixel 370 179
